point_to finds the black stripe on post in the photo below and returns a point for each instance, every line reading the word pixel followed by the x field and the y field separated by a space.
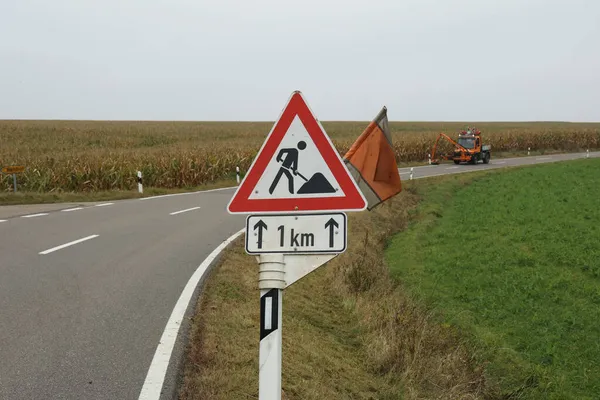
pixel 274 295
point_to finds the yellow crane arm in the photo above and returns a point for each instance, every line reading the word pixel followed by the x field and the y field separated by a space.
pixel 448 138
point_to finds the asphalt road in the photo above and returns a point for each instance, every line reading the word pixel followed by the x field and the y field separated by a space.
pixel 448 167
pixel 83 321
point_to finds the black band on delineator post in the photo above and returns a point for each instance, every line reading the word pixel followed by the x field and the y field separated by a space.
pixel 274 295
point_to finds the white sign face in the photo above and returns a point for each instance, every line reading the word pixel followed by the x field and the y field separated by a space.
pixel 297 169
pixel 296 233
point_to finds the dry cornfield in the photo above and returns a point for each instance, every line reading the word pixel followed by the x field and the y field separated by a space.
pixel 85 156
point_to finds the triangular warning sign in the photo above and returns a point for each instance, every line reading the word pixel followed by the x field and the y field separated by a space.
pixel 297 169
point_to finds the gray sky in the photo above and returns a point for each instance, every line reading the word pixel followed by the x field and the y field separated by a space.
pixel 466 60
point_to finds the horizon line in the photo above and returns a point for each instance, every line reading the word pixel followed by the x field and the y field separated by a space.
pixel 272 121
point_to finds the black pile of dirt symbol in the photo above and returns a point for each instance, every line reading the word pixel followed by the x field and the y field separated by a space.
pixel 316 184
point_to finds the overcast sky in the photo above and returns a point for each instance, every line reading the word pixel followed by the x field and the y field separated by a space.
pixel 465 60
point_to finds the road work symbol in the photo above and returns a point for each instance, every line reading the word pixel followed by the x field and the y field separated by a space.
pixel 289 162
pixel 316 184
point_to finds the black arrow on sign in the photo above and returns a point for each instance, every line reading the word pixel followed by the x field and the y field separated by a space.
pixel 260 225
pixel 331 224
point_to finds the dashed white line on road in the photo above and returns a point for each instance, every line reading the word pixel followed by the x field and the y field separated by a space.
pixel 72 209
pixel 452 167
pixel 2 220
pixel 33 215
pixel 62 246
pixel 544 158
pixel 186 210
pixel 500 162
pixel 104 204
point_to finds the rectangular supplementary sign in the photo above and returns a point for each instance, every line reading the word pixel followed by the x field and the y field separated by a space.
pixel 13 169
pixel 296 233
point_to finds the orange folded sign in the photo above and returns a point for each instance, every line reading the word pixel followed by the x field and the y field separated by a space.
pixel 372 162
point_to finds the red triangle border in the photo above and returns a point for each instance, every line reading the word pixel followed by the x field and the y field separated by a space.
pixel 353 199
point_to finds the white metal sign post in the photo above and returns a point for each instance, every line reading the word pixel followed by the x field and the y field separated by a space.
pixel 296 192
pixel 271 282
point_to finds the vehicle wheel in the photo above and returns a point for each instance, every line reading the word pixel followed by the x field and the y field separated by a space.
pixel 486 159
pixel 474 159
pixel 456 161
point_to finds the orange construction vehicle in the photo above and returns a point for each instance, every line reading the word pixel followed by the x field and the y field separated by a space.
pixel 468 148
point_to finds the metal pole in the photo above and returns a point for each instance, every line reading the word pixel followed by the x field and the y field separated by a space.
pixel 271 283
pixel 15 182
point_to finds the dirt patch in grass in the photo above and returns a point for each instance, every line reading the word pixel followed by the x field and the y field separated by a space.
pixel 349 330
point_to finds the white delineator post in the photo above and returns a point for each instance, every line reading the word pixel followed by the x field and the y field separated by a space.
pixel 429 158
pixel 411 172
pixel 139 180
pixel 588 153
pixel 528 150
pixel 237 174
pixel 271 282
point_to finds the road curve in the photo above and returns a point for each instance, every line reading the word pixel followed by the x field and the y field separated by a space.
pixel 86 289
pixel 448 168
pixel 83 321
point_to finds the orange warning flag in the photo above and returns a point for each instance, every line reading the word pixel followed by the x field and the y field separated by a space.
pixel 372 162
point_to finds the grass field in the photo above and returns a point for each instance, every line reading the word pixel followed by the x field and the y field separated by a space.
pixel 512 261
pixel 93 156
pixel 11 198
pixel 349 332
pixel 420 308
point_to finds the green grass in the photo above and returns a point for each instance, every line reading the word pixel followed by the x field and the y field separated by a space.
pixel 348 331
pixel 512 260
pixel 12 198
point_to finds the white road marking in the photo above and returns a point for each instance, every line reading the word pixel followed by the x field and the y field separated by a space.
pixel 33 215
pixel 72 209
pixel 160 362
pixel 452 167
pixel 186 210
pixel 166 195
pixel 2 220
pixel 500 162
pixel 62 246
pixel 420 166
pixel 544 158
pixel 104 204
pixel 186 193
